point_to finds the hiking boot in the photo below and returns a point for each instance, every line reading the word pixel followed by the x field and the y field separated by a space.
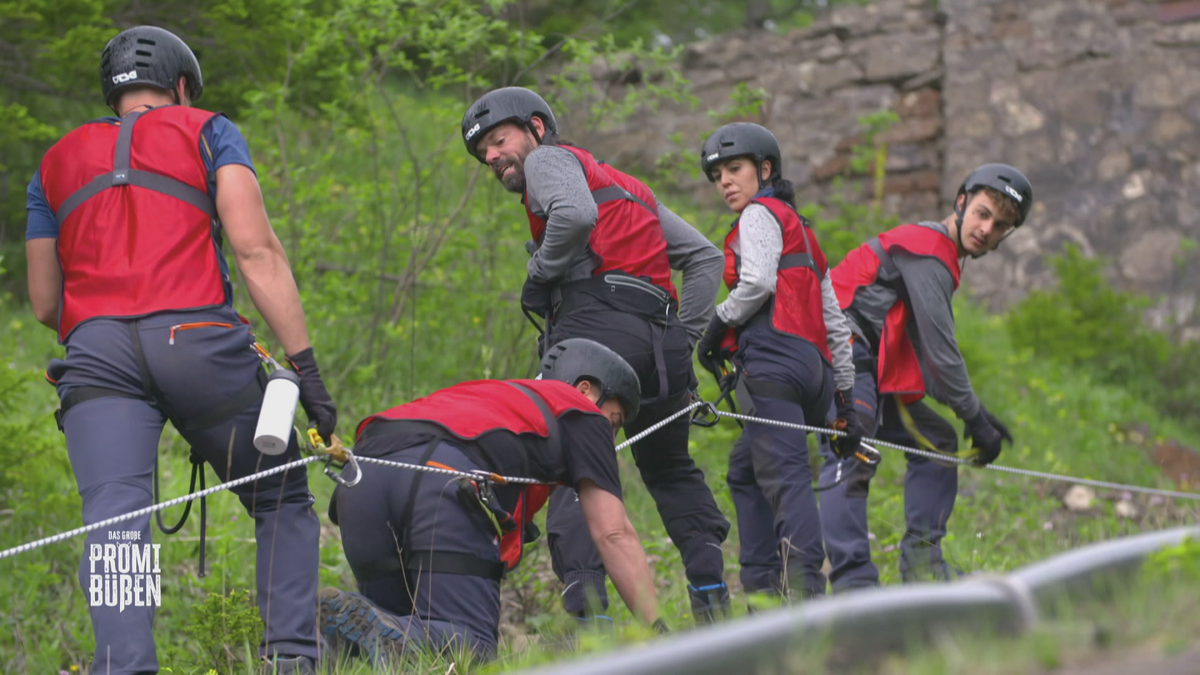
pixel 596 622
pixel 709 603
pixel 937 571
pixel 352 625
pixel 763 600
pixel 288 665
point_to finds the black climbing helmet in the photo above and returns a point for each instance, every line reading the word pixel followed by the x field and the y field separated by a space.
pixel 741 139
pixel 1004 179
pixel 577 358
pixel 148 55
pixel 507 104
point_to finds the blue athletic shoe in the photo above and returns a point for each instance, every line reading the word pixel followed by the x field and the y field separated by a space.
pixel 352 625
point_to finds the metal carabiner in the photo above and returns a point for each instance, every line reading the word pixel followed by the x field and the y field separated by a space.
pixel 339 452
pixel 867 455
pixel 705 415
pixel 337 476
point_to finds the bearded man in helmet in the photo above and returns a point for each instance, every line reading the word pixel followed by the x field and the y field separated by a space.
pixel 896 291
pixel 428 551
pixel 602 253
pixel 127 216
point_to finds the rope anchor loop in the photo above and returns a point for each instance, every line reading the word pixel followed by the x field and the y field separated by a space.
pixel 335 451
pixel 706 415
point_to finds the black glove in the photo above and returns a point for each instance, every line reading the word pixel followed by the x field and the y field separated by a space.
pixel 708 349
pixel 986 433
pixel 318 405
pixel 535 297
pixel 849 422
pixel 660 626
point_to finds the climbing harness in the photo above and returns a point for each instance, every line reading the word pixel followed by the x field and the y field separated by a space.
pixel 731 378
pixel 197 471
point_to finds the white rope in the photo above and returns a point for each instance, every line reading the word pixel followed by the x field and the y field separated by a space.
pixel 959 460
pixel 484 475
pixel 487 475
pixel 157 507
pixel 660 424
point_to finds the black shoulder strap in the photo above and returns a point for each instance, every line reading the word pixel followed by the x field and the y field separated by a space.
pixel 791 260
pixel 614 192
pixel 553 436
pixel 123 175
pixel 885 259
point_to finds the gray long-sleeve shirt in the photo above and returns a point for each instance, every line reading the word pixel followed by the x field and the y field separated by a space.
pixel 759 244
pixel 557 187
pixel 930 288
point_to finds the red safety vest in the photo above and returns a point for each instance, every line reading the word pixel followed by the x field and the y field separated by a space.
pixel 471 409
pixel 628 236
pixel 898 371
pixel 136 224
pixel 797 307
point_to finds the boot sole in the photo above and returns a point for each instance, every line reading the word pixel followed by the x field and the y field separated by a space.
pixel 349 622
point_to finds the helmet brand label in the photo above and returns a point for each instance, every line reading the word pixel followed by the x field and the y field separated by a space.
pixel 472 131
pixel 712 157
pixel 1015 195
pixel 120 78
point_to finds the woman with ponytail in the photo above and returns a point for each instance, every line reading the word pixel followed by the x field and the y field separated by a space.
pixel 782 327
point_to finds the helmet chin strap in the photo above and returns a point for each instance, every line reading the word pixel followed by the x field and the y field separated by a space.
pixel 960 213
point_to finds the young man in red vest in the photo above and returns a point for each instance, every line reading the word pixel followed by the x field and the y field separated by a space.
pixel 428 551
pixel 896 291
pixel 602 253
pixel 126 218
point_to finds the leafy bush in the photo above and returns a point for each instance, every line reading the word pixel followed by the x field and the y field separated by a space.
pixel 1087 324
pixel 226 627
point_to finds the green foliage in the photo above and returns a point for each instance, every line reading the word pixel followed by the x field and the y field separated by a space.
pixel 1176 563
pixel 1086 324
pixel 747 103
pixel 676 22
pixel 409 257
pixel 18 126
pixel 226 627
pixel 847 222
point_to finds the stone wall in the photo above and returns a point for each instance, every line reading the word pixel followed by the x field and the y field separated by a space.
pixel 1098 101
pixel 854 60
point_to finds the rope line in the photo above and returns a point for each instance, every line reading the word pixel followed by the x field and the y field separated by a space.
pixel 959 460
pixel 489 476
pixel 157 507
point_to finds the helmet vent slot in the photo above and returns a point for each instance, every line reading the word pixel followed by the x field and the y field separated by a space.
pixel 144 41
pixel 142 52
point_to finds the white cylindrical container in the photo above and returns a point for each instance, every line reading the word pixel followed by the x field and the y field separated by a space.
pixel 278 412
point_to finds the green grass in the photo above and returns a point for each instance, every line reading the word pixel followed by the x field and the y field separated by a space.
pixel 1063 422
